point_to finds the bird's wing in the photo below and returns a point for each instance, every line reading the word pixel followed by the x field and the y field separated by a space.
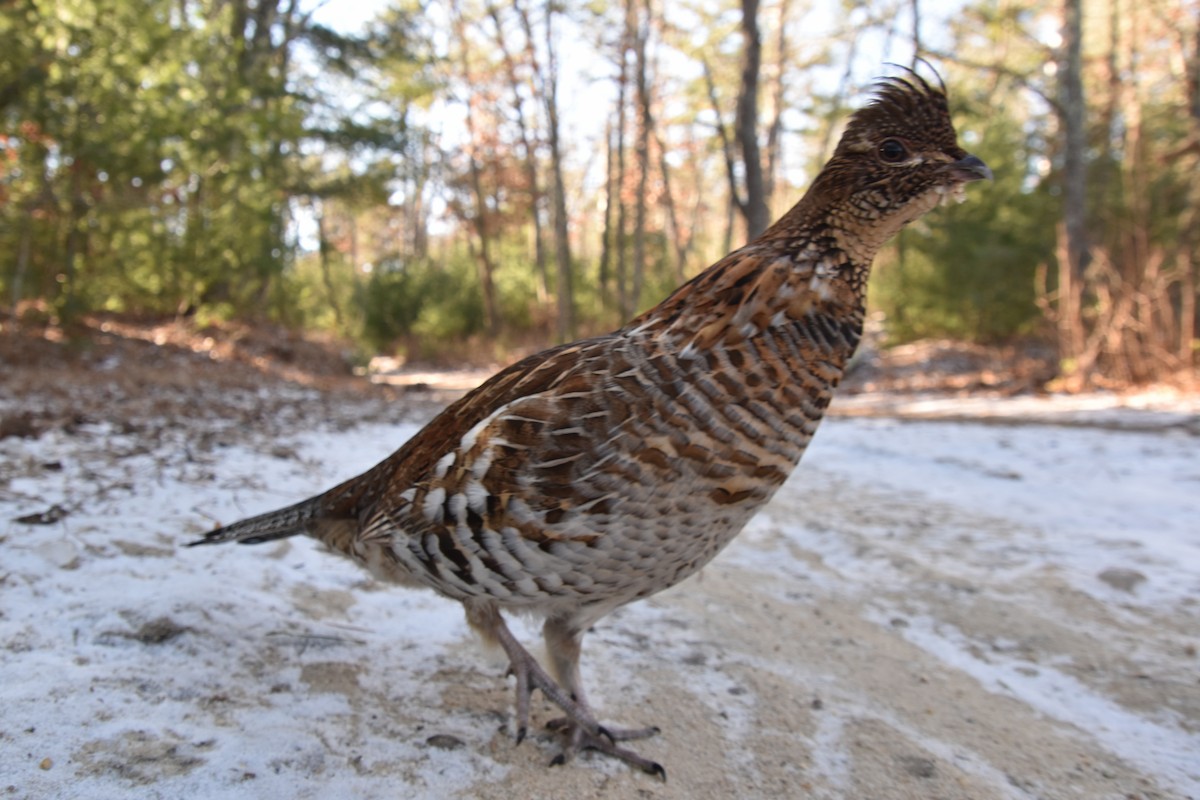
pixel 507 453
pixel 510 486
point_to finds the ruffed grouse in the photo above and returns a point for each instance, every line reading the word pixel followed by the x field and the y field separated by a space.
pixel 599 472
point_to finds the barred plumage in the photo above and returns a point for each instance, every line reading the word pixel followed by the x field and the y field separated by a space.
pixel 603 471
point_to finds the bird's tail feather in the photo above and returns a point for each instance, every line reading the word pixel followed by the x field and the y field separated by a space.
pixel 266 527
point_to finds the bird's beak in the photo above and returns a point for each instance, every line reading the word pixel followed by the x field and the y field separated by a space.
pixel 969 168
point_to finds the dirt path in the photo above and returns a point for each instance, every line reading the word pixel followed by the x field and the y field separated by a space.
pixel 927 610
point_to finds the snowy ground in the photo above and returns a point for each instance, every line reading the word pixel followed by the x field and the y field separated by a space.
pixel 928 609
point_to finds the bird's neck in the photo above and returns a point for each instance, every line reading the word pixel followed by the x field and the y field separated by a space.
pixel 854 225
pixel 792 274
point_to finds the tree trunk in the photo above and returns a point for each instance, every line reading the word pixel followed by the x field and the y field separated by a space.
pixel 486 265
pixel 623 307
pixel 1143 341
pixel 680 242
pixel 530 152
pixel 1187 304
pixel 418 213
pixel 642 151
pixel 1187 160
pixel 735 197
pixel 610 197
pixel 775 129
pixel 1193 69
pixel 1075 246
pixel 70 304
pixel 1191 219
pixel 746 124
pixel 24 248
pixel 562 243
pixel 323 248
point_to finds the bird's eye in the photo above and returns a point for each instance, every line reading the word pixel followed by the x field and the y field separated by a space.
pixel 893 150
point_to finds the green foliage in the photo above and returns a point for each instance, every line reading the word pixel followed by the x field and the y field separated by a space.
pixel 422 303
pixel 152 152
pixel 174 156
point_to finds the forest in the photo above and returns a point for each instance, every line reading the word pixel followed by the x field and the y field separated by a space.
pixel 980 584
pixel 456 179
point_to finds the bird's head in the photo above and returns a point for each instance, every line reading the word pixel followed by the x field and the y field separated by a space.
pixel 898 158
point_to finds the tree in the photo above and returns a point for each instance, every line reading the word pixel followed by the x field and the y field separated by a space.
pixel 528 146
pixel 1075 251
pixel 160 146
pixel 548 85
pixel 641 32
pixel 480 214
pixel 754 205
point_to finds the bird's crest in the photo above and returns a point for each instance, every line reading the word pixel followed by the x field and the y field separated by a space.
pixel 903 105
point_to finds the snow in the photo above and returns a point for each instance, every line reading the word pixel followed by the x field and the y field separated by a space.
pixel 133 665
pixel 1078 499
pixel 1163 748
pixel 80 597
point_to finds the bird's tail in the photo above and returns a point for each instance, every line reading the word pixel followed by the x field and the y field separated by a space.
pixel 267 527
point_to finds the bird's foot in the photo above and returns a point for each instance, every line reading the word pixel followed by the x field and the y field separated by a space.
pixel 576 739
pixel 530 676
pixel 579 727
pixel 562 724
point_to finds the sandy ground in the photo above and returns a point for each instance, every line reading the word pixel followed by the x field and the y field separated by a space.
pixel 927 610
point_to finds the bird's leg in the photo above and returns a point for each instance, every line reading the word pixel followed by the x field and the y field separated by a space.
pixel 563 645
pixel 563 641
pixel 529 674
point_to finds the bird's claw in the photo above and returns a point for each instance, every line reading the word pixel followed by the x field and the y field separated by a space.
pixel 562 724
pixel 579 728
pixel 531 676
pixel 604 741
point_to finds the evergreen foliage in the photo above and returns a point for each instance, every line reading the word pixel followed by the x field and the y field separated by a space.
pixel 408 188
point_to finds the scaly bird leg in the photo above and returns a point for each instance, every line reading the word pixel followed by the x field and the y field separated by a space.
pixel 486 619
pixel 563 641
pixel 579 728
pixel 575 739
pixel 530 676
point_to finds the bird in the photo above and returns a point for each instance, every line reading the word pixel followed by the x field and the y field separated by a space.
pixel 602 471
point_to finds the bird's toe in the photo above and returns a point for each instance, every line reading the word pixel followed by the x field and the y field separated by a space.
pixel 577 739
